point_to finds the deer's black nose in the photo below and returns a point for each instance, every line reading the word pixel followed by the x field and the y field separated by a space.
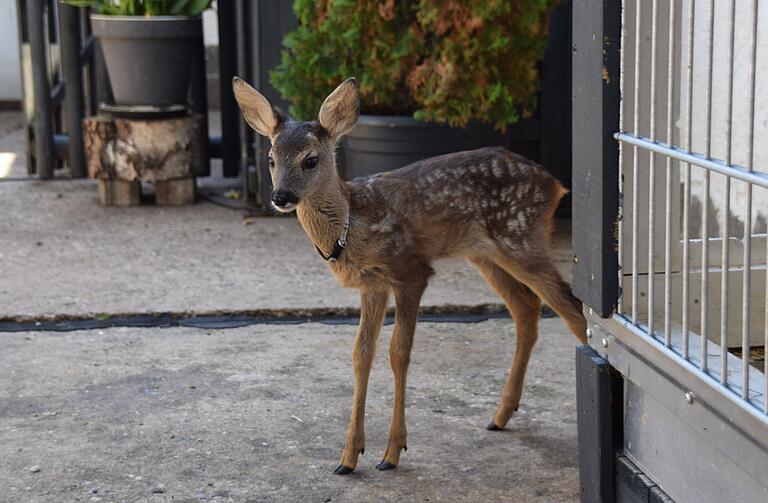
pixel 283 198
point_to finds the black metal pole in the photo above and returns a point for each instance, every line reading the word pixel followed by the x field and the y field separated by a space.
pixel 230 116
pixel 243 56
pixel 89 55
pixel 43 118
pixel 103 90
pixel 72 72
pixel 198 93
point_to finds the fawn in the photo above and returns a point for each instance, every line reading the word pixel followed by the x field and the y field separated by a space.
pixel 380 234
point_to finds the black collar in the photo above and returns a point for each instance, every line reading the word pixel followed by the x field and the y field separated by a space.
pixel 341 243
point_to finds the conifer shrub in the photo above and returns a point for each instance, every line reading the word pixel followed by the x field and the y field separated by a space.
pixel 445 61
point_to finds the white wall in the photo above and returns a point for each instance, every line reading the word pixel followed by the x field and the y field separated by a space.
pixel 741 95
pixel 10 78
pixel 211 26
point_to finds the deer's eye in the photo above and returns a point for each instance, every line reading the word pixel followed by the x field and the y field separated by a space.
pixel 310 162
pixel 271 163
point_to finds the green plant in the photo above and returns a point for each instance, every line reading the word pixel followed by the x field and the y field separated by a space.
pixel 144 7
pixel 448 61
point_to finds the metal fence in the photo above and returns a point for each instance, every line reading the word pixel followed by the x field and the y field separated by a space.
pixel 64 79
pixel 692 236
pixel 670 249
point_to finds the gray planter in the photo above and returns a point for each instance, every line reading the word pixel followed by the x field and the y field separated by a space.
pixel 149 59
pixel 382 143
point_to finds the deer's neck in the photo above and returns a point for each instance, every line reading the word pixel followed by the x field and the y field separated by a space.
pixel 323 214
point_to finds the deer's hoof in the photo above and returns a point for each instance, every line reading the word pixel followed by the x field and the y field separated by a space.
pixel 343 470
pixel 492 427
pixel 385 465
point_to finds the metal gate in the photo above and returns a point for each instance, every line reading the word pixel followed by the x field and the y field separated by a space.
pixel 671 102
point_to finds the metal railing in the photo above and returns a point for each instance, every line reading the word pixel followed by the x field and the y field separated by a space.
pixel 64 79
pixel 687 230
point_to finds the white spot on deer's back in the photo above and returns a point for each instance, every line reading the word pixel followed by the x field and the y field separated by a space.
pixel 385 225
pixel 522 189
pixel 522 221
pixel 497 171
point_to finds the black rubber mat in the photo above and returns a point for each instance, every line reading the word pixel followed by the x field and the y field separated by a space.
pixel 222 321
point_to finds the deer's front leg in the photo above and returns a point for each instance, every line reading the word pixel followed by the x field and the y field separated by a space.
pixel 373 307
pixel 406 314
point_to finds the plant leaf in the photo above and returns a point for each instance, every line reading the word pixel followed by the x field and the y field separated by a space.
pixel 178 6
pixel 196 7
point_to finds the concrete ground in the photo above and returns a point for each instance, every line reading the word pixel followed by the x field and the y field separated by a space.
pixel 259 414
pixel 63 254
pixel 255 413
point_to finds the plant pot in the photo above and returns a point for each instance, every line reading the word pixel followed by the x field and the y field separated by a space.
pixel 383 143
pixel 149 59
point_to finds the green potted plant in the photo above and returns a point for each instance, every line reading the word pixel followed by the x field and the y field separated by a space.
pixel 149 47
pixel 428 71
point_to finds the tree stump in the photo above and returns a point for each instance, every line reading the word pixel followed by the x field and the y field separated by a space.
pixel 119 192
pixel 175 192
pixel 167 151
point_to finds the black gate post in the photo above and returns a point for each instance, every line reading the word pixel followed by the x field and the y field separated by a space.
pixel 198 94
pixel 41 89
pixel 230 114
pixel 72 71
pixel 596 102
pixel 599 400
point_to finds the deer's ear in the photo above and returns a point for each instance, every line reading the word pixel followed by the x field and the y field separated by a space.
pixel 257 110
pixel 338 113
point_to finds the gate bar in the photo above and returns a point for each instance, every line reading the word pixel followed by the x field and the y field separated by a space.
pixel 651 168
pixel 668 185
pixel 726 234
pixel 746 300
pixel 704 305
pixel 716 165
pixel 635 168
pixel 687 196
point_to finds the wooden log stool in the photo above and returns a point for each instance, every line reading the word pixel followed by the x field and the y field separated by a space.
pixel 121 153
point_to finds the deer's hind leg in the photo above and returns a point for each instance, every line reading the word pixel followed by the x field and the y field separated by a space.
pixel 539 274
pixel 525 308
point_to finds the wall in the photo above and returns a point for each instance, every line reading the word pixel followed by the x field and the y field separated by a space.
pixel 10 79
pixel 721 70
